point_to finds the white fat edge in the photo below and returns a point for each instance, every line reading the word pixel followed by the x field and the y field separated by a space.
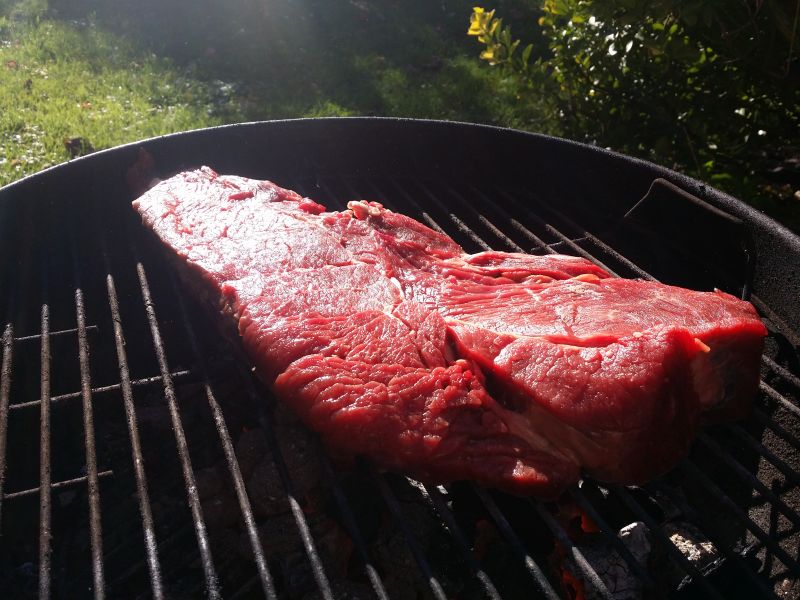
pixel 396 283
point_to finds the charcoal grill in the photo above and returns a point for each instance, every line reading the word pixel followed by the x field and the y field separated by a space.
pixel 116 397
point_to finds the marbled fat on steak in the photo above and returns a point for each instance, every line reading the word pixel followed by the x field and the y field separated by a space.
pixel 516 371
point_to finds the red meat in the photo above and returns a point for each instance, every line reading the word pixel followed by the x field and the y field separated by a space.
pixel 516 371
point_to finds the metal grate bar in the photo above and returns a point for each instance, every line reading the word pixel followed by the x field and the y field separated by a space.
pixel 779 463
pixel 101 389
pixel 729 554
pixel 45 533
pixel 550 229
pixel 741 515
pixel 122 546
pixel 145 510
pixel 460 225
pixel 411 540
pixel 57 485
pixel 5 387
pixel 303 528
pixel 783 372
pixel 230 457
pixel 773 394
pixel 305 534
pixel 353 529
pixel 60 332
pixel 483 220
pixel 425 215
pixel 244 589
pixel 162 549
pixel 244 503
pixel 778 321
pixel 582 501
pixel 404 193
pixel 265 420
pixel 533 569
pixel 586 569
pixel 212 585
pixel 657 533
pixel 408 198
pixel 597 241
pixel 776 428
pixel 446 514
pixel 501 211
pixel 749 478
pixel 95 524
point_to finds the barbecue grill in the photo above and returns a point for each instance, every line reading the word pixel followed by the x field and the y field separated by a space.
pixel 128 425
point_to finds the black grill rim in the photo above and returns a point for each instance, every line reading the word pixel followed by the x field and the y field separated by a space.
pixel 707 192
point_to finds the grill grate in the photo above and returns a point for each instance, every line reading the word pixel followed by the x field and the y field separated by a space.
pixel 130 544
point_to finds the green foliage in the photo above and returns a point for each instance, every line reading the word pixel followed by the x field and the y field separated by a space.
pixel 136 69
pixel 328 109
pixel 23 10
pixel 501 49
pixel 709 88
pixel 101 81
pixel 62 83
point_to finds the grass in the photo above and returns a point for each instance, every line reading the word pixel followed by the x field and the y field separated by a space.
pixel 61 81
pixel 123 76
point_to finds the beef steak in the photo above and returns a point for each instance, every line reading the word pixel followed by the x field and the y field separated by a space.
pixel 513 370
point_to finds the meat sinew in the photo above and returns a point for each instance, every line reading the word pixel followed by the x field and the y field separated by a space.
pixel 516 371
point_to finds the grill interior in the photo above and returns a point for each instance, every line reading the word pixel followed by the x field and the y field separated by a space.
pixel 123 418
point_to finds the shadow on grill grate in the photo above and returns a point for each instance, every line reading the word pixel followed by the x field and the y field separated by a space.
pixel 159 468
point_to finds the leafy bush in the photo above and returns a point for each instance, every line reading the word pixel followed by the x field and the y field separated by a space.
pixel 708 88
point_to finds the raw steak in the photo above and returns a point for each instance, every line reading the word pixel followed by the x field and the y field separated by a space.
pixel 516 371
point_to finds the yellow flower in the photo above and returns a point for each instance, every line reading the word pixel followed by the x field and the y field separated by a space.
pixel 474 25
pixel 488 54
pixel 479 21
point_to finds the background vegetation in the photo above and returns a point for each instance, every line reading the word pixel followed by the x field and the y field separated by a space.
pixel 707 87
